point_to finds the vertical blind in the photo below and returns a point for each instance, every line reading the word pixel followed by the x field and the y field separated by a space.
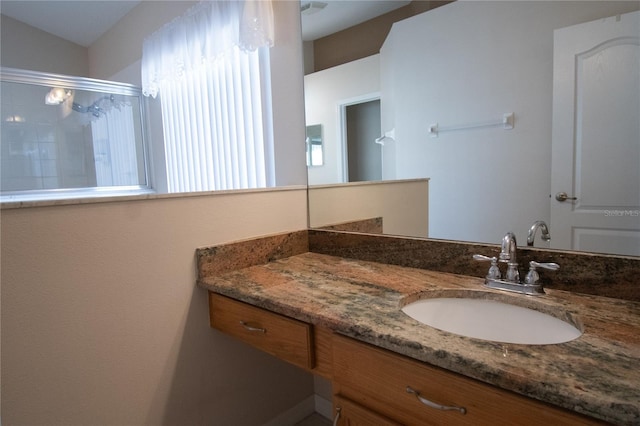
pixel 211 69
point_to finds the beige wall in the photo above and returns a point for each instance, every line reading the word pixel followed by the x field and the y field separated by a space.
pixel 102 323
pixel 403 205
pixel 25 47
pixel 122 44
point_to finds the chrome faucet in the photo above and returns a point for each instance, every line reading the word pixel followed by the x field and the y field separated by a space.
pixel 509 248
pixel 511 281
pixel 544 232
pixel 508 255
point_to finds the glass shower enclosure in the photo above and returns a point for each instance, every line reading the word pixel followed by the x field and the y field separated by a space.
pixel 65 136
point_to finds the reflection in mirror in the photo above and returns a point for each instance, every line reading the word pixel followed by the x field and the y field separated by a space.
pixel 468 63
pixel 33 39
pixel 63 133
pixel 314 145
pixel 364 159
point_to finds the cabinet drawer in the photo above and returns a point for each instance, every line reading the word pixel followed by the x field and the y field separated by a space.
pixel 352 414
pixel 378 379
pixel 283 337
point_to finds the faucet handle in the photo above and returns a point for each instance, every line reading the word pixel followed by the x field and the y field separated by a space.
pixel 533 276
pixel 494 271
pixel 483 258
pixel 551 266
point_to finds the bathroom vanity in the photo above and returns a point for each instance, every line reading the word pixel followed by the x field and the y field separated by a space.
pixel 340 317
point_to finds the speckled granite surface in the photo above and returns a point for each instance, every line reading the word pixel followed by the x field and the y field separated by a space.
pixel 596 374
pixel 369 226
pixel 255 251
pixel 602 275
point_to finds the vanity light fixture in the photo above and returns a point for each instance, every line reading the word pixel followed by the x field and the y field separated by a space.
pixel 56 96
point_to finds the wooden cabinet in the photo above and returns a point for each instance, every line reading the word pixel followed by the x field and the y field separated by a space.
pixel 380 381
pixel 348 413
pixel 283 337
pixel 291 340
pixel 323 352
pixel 373 386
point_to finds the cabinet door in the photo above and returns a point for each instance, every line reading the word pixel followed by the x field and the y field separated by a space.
pixel 351 414
pixel 417 394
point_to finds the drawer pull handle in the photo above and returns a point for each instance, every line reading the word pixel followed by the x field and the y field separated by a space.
pixel 335 421
pixel 249 328
pixel 432 404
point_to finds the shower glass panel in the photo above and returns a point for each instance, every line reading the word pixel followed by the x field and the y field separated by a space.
pixel 69 136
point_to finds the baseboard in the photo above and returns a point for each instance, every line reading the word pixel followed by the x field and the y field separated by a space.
pixel 323 406
pixel 294 414
pixel 308 406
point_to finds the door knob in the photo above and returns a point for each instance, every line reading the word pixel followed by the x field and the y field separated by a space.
pixel 562 196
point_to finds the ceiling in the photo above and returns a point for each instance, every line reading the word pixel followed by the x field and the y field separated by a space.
pixel 341 14
pixel 84 21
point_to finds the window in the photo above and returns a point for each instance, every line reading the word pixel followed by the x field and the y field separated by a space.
pixel 211 70
pixel 66 137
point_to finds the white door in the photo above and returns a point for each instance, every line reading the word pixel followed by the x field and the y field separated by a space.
pixel 596 136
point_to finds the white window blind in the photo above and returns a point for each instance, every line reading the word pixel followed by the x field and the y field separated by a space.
pixel 211 69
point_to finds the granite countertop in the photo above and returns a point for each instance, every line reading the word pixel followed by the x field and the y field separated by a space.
pixel 596 374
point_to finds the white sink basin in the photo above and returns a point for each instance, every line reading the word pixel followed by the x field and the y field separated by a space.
pixel 491 320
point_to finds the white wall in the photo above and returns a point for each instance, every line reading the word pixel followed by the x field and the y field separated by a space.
pixel 324 92
pixel 287 87
pixel 470 62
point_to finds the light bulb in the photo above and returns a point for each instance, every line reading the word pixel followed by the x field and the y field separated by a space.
pixel 56 96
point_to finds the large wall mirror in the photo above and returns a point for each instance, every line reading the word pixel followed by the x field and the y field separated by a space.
pixel 493 115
